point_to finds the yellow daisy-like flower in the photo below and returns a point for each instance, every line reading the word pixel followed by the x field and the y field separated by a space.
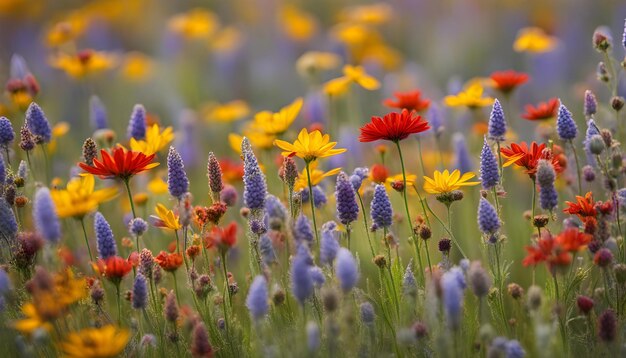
pixel 106 341
pixel 157 186
pixel 155 140
pixel 226 112
pixel 83 63
pixel 166 218
pixel 137 67
pixel 471 97
pixel 309 146
pixel 297 24
pixel 446 182
pixel 351 74
pixel 313 62
pixel 534 40
pixel 317 175
pixel 32 320
pixel 80 198
pixel 59 130
pixel 195 24
pixel 277 123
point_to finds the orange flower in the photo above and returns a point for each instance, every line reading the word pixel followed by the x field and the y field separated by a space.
pixel 121 164
pixel 223 238
pixel 528 158
pixel 584 207
pixel 573 240
pixel 393 127
pixel 114 268
pixel 378 173
pixel 169 262
pixel 543 110
pixel 411 101
pixel 548 250
pixel 507 81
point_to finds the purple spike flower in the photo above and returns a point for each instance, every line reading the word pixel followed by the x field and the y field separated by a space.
pixel 488 221
pixel 301 281
pixel 463 159
pixel 97 113
pixel 200 345
pixel 7 135
pixel 27 143
pixel 548 197
pixel 214 173
pixel 38 124
pixel 409 285
pixel 317 275
pixel 347 206
pixel 302 231
pixel 452 298
pixel 489 174
pixel 177 182
pixel 590 104
pixel 592 130
pixel 329 245
pixel 3 173
pixel 565 125
pixel 140 292
pixel 381 211
pixel 267 250
pixel 104 237
pixel 368 315
pixel 624 35
pixel 137 227
pixel 497 122
pixel 255 188
pixel 357 177
pixel 45 216
pixel 8 224
pixel 312 336
pixel 137 124
pixel 346 269
pixel 257 298
pixel 275 210
pixel 319 197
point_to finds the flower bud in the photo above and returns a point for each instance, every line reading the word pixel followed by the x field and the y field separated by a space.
pixel 617 103
pixel 596 144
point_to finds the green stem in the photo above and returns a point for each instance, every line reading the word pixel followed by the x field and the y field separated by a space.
pixel 119 304
pixel 176 287
pixel 500 165
pixel 130 196
pixel 308 175
pixel 367 229
pixel 532 215
pixel 571 142
pixel 230 299
pixel 419 153
pixel 82 223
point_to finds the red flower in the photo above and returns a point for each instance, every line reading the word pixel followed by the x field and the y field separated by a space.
pixel 584 207
pixel 114 268
pixel 379 173
pixel 543 111
pixel 223 238
pixel 121 164
pixel 393 127
pixel 547 250
pixel 169 262
pixel 573 240
pixel 411 101
pixel 521 155
pixel 193 251
pixel 507 81
pixel 231 171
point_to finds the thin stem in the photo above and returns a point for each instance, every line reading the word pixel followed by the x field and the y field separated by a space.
pixel 82 223
pixel 419 153
pixel 46 163
pixel 393 284
pixel 226 278
pixel 367 229
pixel 532 216
pixel 571 142
pixel 119 304
pixel 6 149
pixel 176 287
pixel 348 230
pixel 500 165
pixel 308 177
pixel 130 197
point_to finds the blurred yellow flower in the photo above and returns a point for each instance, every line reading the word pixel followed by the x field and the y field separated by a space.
pixel 351 74
pixel 380 53
pixel 297 24
pixel 471 96
pixel 67 30
pixel 155 140
pixel 83 63
pixel 106 341
pixel 226 40
pixel 194 24
pixel 374 14
pixel 59 130
pixel 32 320
pixel 277 123
pixel 317 176
pixel 257 138
pixel 137 67
pixel 166 218
pixel 442 183
pixel 312 62
pixel 352 34
pixel 157 186
pixel 309 146
pixel 80 198
pixel 534 40
pixel 226 112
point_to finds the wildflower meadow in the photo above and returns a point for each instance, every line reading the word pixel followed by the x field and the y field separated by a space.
pixel 284 178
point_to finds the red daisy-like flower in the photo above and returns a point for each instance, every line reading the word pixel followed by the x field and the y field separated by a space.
pixel 169 262
pixel 223 238
pixel 411 100
pixel 547 250
pixel 121 163
pixel 584 207
pixel 393 127
pixel 543 110
pixel 507 81
pixel 528 158
pixel 573 240
pixel 114 268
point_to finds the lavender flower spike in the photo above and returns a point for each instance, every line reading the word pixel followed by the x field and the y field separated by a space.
pixel 8 224
pixel 7 134
pixel 104 237
pixel 489 172
pixel 497 122
pixel 565 125
pixel 97 113
pixel 38 124
pixel 452 299
pixel 255 188
pixel 488 221
pixel 137 123
pixel 590 104
pixel 381 211
pixel 329 245
pixel 301 281
pixel 257 298
pixel 177 182
pixel 45 216
pixel 140 292
pixel 214 173
pixel 463 159
pixel 347 206
pixel 302 231
pixel 548 197
pixel 347 270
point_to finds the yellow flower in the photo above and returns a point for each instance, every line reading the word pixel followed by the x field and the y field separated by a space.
pixel 534 40
pixel 317 176
pixel 59 130
pixel 226 112
pixel 80 198
pixel 374 14
pixel 66 30
pixel 297 24
pixel 312 62
pixel 446 182
pixel 166 218
pixel 137 67
pixel 157 186
pixel 278 123
pixel 194 24
pixel 471 97
pixel 226 40
pixel 257 138
pixel 83 63
pixel 106 341
pixel 352 34
pixel 351 74
pixel 155 140
pixel 32 320
pixel 309 146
